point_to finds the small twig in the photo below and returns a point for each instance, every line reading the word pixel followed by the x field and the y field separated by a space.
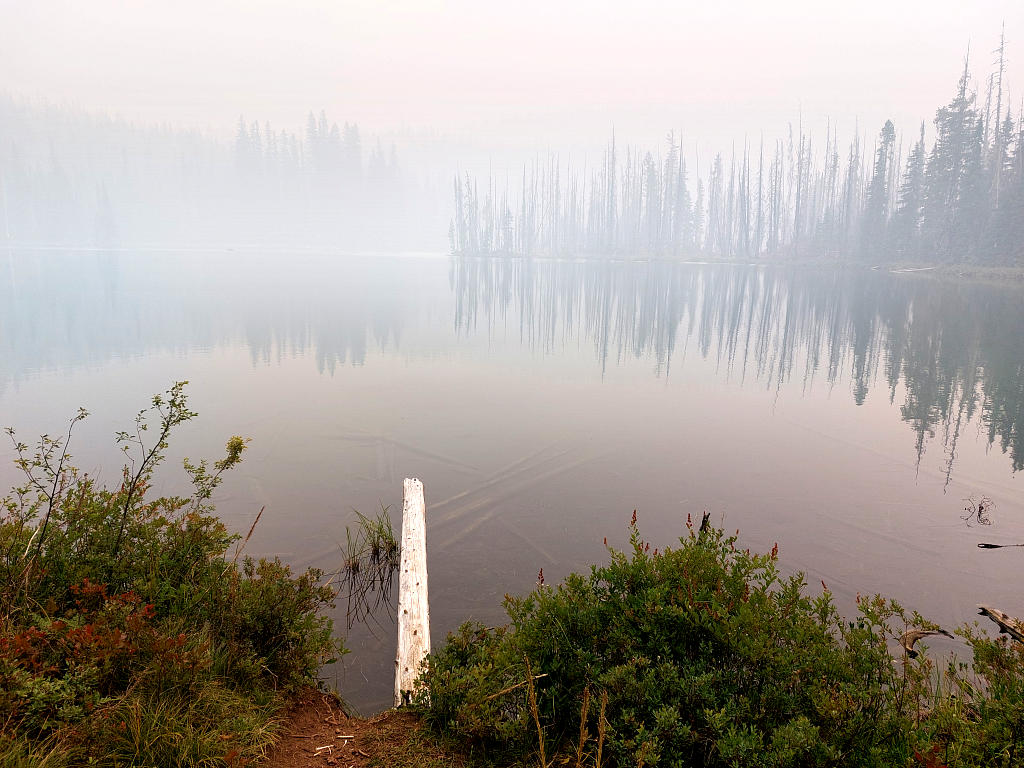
pixel 32 538
pixel 978 510
pixel 513 687
pixel 52 496
pixel 240 547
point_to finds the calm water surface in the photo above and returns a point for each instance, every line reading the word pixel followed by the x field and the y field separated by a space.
pixel 846 414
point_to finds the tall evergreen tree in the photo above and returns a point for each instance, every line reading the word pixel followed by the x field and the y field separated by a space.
pixel 944 172
pixel 906 220
pixel 876 204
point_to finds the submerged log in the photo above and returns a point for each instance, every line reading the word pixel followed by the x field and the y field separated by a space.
pixel 1007 624
pixel 413 606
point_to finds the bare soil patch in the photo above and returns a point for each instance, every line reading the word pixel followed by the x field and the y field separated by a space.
pixel 317 732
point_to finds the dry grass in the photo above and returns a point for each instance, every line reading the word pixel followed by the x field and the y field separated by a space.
pixel 400 741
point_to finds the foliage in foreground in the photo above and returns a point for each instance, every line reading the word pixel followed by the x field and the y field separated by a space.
pixel 704 655
pixel 129 634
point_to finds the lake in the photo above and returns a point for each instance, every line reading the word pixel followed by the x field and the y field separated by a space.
pixel 847 414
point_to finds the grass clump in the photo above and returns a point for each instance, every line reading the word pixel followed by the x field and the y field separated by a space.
pixel 705 655
pixel 128 633
pixel 370 559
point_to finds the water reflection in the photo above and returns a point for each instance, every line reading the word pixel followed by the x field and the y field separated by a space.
pixel 60 310
pixel 945 350
pixel 948 353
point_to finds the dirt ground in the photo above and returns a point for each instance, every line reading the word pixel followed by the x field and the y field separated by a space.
pixel 317 732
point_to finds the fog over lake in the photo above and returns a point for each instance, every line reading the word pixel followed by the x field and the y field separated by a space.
pixel 560 261
pixel 846 413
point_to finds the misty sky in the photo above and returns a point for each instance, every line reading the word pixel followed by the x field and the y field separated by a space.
pixel 514 74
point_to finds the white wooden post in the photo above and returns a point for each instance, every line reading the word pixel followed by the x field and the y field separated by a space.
pixel 413 607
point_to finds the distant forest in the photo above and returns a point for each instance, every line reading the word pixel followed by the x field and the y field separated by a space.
pixel 958 197
pixel 953 193
pixel 68 177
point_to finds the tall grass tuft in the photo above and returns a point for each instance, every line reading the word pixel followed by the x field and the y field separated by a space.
pixel 370 559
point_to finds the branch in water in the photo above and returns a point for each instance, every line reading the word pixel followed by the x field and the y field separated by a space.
pixel 1011 626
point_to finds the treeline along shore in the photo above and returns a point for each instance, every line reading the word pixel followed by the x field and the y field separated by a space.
pixel 953 193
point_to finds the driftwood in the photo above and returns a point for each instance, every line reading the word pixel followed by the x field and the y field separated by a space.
pixel 413 606
pixel 1007 624
pixel 907 639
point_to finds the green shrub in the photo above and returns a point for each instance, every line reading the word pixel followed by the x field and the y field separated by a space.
pixel 705 655
pixel 465 680
pixel 124 617
pixel 264 613
pixel 981 722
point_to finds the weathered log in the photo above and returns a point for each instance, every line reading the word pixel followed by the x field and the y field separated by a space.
pixel 907 639
pixel 413 605
pixel 1007 624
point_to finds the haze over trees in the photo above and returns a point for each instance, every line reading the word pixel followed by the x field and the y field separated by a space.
pixel 950 190
pixel 68 177
pixel 955 194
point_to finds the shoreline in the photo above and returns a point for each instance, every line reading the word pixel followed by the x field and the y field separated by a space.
pixel 959 270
